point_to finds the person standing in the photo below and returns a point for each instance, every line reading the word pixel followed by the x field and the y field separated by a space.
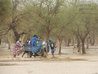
pixel 27 44
pixel 17 47
pixel 52 45
pixel 34 42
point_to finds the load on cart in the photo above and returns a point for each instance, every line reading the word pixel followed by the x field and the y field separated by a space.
pixel 40 49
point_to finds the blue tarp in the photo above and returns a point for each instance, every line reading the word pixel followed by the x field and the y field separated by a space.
pixel 35 48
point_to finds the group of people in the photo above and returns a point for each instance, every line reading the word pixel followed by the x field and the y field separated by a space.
pixel 33 42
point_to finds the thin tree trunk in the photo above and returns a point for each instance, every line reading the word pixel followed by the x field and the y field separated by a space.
pixel 69 40
pixel 78 45
pixel 79 48
pixel 0 41
pixel 48 35
pixel 78 42
pixel 83 47
pixel 48 32
pixel 9 41
pixel 87 43
pixel 9 45
pixel 92 40
pixel 74 42
pixel 60 42
pixel 17 36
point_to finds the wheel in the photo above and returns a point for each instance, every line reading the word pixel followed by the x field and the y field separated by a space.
pixel 29 54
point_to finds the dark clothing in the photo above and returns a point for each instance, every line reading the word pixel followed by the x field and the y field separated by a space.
pixel 27 44
pixel 53 50
pixel 52 45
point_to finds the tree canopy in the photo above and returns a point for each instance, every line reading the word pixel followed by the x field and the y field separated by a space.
pixel 57 19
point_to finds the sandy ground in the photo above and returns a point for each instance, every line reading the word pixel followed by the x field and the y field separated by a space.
pixel 67 63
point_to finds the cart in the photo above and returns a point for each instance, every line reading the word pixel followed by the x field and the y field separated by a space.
pixel 41 49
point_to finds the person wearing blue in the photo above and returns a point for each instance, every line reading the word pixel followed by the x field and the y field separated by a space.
pixel 34 40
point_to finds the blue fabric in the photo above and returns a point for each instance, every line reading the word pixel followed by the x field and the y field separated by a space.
pixel 33 41
pixel 47 48
pixel 53 50
pixel 40 43
pixel 35 49
pixel 28 48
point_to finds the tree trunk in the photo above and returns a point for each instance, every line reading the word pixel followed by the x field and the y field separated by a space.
pixel 79 48
pixel 48 35
pixel 48 32
pixel 0 41
pixel 9 41
pixel 74 42
pixel 87 43
pixel 78 45
pixel 15 4
pixel 78 42
pixel 83 47
pixel 9 45
pixel 92 41
pixel 69 40
pixel 83 42
pixel 60 42
pixel 17 36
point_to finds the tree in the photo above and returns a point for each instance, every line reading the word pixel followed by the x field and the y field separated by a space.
pixel 4 10
pixel 84 24
pixel 61 27
pixel 4 14
pixel 46 10
pixel 18 21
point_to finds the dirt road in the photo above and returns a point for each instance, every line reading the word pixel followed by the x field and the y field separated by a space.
pixel 64 64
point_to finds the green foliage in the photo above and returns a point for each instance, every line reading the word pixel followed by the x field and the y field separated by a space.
pixel 85 20
pixel 51 16
pixel 5 9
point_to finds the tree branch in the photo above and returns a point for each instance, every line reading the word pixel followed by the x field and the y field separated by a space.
pixel 5 32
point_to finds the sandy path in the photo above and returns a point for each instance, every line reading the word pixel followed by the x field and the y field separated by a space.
pixel 51 68
pixel 67 63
